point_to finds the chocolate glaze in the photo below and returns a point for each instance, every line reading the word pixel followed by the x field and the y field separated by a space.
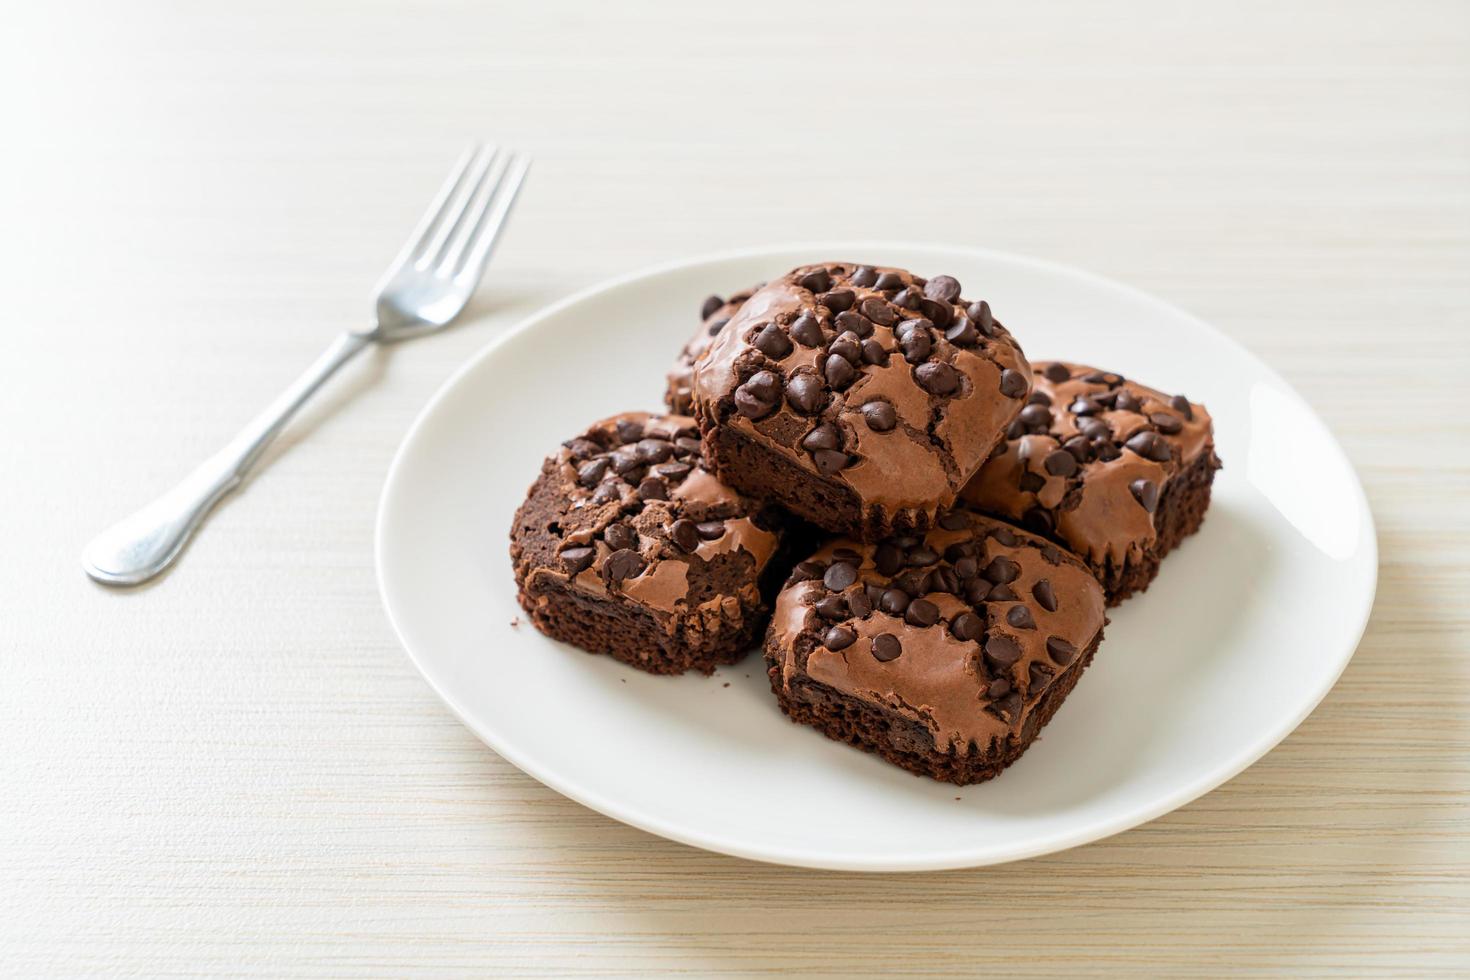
pixel 938 679
pixel 939 440
pixel 666 584
pixel 1094 510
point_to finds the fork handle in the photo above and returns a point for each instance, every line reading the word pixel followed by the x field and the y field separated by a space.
pixel 141 546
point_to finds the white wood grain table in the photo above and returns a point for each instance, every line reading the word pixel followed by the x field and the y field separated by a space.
pixel 237 769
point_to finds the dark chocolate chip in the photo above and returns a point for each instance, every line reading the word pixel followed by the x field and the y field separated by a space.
pixel 840 576
pixel 838 371
pixel 1005 536
pixel 772 342
pixel 684 534
pixel 629 430
pixel 1038 521
pixel 962 333
pixel 888 280
pixel 838 638
pixel 687 446
pixel 916 340
pixel 590 473
pixel 654 450
pixel 880 416
pixel 1002 593
pixel 837 300
pixel 1036 416
pixel 1093 428
pixel 709 306
pixel 807 570
pixel 937 378
pixel 620 536
pixel 921 557
pixel 921 612
pixel 979 313
pixel 607 492
pixel 830 461
pixel 976 591
pixel 1045 595
pixel 831 607
pixel 998 688
pixel 854 322
pixel 1020 617
pixel 1168 424
pixel 1149 445
pixel 967 568
pixel 863 276
pixel 954 520
pixel 1002 651
pixel 894 602
pixel 941 313
pixel 888 558
pixel 624 564
pixel 1001 570
pixel 818 281
pixel 967 626
pixel 873 352
pixel 945 289
pixel 576 559
pixel 652 488
pixel 1008 707
pixel 1181 405
pixel 804 392
pixel 1013 384
pixel 877 309
pixel 824 436
pixel 1146 492
pixel 582 448
pixel 1038 397
pixel 859 604
pixel 1032 482
pixel 717 324
pixel 674 471
pixel 1125 402
pixel 1082 405
pixel 847 347
pixel 758 396
pixel 1039 679
pixel 1060 462
pixel 886 647
pixel 807 331
pixel 847 554
pixel 1056 373
pixel 944 580
pixel 1059 650
pixel 710 530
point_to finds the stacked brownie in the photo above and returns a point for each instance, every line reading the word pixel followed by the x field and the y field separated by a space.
pixel 972 514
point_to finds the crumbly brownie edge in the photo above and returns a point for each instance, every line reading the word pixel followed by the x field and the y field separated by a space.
pixel 904 742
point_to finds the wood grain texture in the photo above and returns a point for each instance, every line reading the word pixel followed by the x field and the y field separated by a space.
pixel 238 771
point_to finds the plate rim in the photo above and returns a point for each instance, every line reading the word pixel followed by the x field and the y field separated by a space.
pixel 1059 841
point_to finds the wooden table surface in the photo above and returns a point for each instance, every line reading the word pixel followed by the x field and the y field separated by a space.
pixel 238 770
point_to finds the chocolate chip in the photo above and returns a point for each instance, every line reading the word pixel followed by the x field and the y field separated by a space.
pixel 673 472
pixel 880 416
pixel 1181 405
pixel 837 300
pixel 921 557
pixel 772 342
pixel 876 308
pixel 1168 424
pixel 1020 618
pixel 709 306
pixel 652 488
pixel 937 378
pixel 1032 482
pixel 807 331
pixel 818 281
pixel 1093 428
pixel 807 570
pixel 1149 445
pixel 873 352
pixel 954 520
pixel 607 492
pixel 838 638
pixel 1059 650
pixel 967 568
pixel 1107 451
pixel 629 430
pixel 980 315
pixel 1001 570
pixel 1002 593
pixel 1008 707
pixel 824 436
pixel 1060 462
pixel 998 688
pixel 941 313
pixel 653 450
pixel 888 280
pixel 863 276
pixel 1002 651
pixel 859 604
pixel 717 324
pixel 758 396
pixel 687 446
pixel 1038 677
pixel 946 289
pixel 623 564
pixel 684 534
pixel 976 591
pixel 577 559
pixel 1036 416
pixel 888 558
pixel 847 554
pixel 1013 383
pixel 1045 595
pixel 1146 492
pixel 590 473
pixel 962 333
pixel 838 371
pixel 1038 521
pixel 582 448
pixel 710 530
pixel 620 536
pixel 831 607
pixel 1082 405
pixel 967 626
pixel 830 461
pixel 854 323
pixel 1005 536
pixel 1038 397
pixel 908 298
pixel 840 575
pixel 1056 373
pixel 873 592
pixel 944 580
pixel 1125 402
pixel 894 602
pixel 917 342
pixel 804 393
pixel 846 347
pixel 921 612
pixel 886 647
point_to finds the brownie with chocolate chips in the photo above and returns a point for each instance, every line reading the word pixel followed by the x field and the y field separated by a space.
pixel 1115 471
pixel 944 653
pixel 859 398
pixel 627 545
pixel 714 313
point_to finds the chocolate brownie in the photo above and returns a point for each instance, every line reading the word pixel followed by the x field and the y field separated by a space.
pixel 860 398
pixel 945 654
pixel 714 313
pixel 1113 470
pixel 627 545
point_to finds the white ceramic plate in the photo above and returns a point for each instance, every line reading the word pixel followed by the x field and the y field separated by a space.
pixel 1245 630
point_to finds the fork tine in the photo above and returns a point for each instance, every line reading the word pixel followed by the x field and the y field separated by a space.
pixel 486 231
pixel 431 216
pixel 451 214
pixel 466 223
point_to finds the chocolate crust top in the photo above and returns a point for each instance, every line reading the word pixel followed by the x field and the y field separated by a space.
pixel 961 630
pixel 871 376
pixel 628 508
pixel 1088 458
pixel 714 313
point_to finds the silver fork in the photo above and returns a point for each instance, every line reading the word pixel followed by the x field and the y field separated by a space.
pixel 425 288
